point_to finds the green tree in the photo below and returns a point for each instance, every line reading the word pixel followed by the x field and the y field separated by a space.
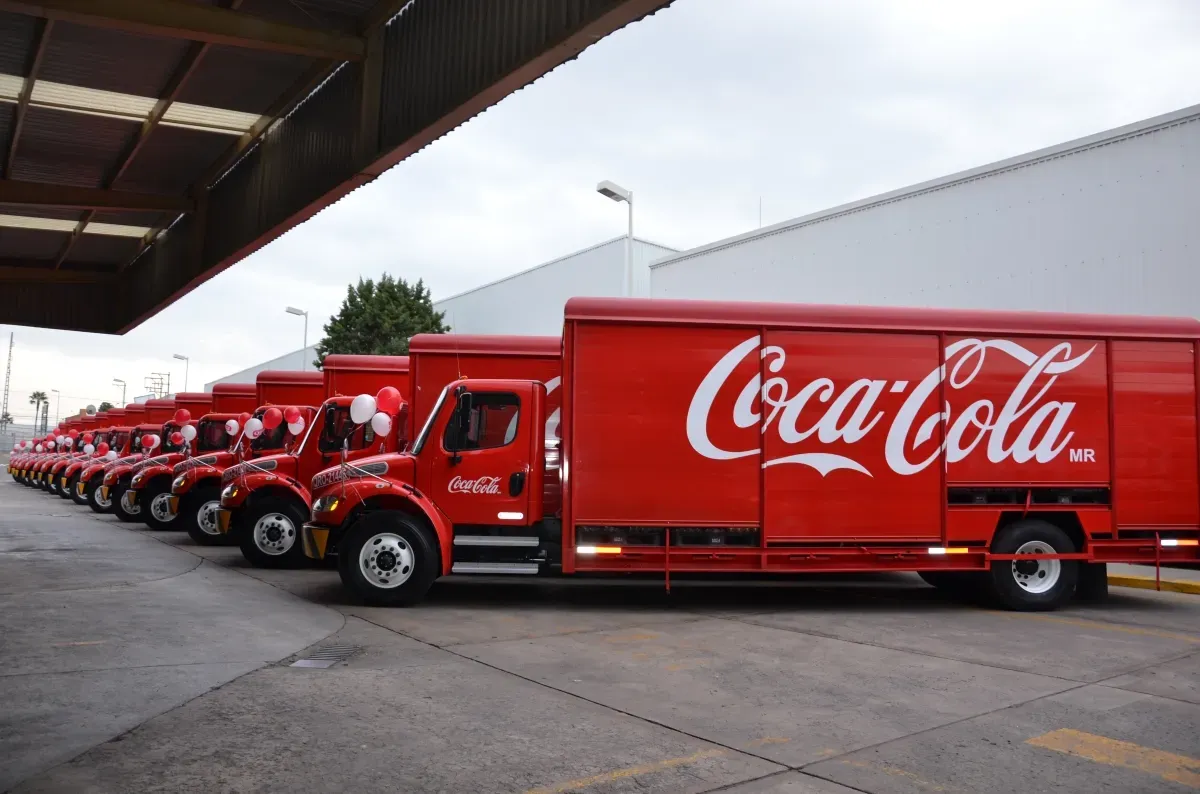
pixel 379 317
pixel 105 406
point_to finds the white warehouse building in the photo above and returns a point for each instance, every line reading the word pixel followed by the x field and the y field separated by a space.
pixel 1103 224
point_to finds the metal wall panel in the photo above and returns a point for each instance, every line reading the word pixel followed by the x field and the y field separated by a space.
pixel 531 302
pixel 1105 224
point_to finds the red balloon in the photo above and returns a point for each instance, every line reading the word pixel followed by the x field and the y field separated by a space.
pixel 147 440
pixel 102 448
pixel 177 437
pixel 73 434
pixel 388 400
pixel 183 416
pixel 88 438
pixel 272 418
pixel 291 414
pixel 243 418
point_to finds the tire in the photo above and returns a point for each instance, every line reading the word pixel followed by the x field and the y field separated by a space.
pixel 51 484
pixel 197 511
pixel 118 503
pixel 64 491
pixel 1038 585
pixel 92 494
pixel 153 500
pixel 269 533
pixel 957 584
pixel 75 497
pixel 405 541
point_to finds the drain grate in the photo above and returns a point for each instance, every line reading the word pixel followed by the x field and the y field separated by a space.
pixel 327 656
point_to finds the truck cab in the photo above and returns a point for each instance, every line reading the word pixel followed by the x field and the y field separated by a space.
pixel 150 486
pixel 99 438
pixel 469 497
pixel 196 489
pixel 264 502
pixel 91 478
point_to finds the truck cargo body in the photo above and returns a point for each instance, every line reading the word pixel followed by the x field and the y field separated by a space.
pixel 1018 450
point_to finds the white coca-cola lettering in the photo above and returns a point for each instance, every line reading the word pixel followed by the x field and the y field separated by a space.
pixel 1039 427
pixel 479 485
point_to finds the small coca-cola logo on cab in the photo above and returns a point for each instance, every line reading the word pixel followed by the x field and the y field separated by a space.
pixel 479 485
pixel 1025 427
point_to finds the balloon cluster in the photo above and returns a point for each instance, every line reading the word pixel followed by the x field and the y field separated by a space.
pixel 377 410
pixel 150 441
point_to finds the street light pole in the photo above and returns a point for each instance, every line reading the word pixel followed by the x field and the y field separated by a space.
pixel 618 193
pixel 117 381
pixel 57 402
pixel 304 314
pixel 186 363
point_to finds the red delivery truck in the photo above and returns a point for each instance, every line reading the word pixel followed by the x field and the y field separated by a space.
pixel 147 438
pixel 265 501
pixel 196 489
pixel 1013 453
pixel 150 486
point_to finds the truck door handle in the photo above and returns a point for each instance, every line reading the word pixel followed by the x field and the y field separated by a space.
pixel 516 483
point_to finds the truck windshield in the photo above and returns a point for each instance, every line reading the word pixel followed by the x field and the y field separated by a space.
pixel 167 445
pixel 337 422
pixel 271 439
pixel 211 436
pixel 119 441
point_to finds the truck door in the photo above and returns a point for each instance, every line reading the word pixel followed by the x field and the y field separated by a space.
pixel 481 473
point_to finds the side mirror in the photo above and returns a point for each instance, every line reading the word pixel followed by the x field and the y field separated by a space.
pixel 461 409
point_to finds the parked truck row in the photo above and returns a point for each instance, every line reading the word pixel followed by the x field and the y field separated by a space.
pixel 1011 455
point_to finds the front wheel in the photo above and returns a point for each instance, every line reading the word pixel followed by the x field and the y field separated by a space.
pixel 1033 585
pixel 270 533
pixel 66 489
pixel 155 499
pixel 198 509
pixel 77 497
pixel 124 505
pixel 96 501
pixel 388 559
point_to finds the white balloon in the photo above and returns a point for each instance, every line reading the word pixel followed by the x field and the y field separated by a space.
pixel 88 449
pixel 232 427
pixel 38 448
pixel 297 427
pixel 50 444
pixel 68 442
pixel 381 423
pixel 112 455
pixel 188 432
pixel 59 439
pixel 362 408
pixel 254 427
pixel 155 441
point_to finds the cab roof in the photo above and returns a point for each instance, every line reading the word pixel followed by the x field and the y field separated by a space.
pixel 346 361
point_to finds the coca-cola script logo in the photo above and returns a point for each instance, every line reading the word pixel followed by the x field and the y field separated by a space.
pixel 1023 429
pixel 479 485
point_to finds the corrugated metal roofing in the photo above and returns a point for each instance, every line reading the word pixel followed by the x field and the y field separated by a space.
pixel 268 136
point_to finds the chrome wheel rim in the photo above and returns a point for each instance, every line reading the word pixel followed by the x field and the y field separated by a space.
pixel 386 561
pixel 206 518
pixel 160 508
pixel 102 501
pixel 1036 576
pixel 128 505
pixel 274 534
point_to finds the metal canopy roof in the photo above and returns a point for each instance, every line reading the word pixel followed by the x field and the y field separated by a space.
pixel 146 146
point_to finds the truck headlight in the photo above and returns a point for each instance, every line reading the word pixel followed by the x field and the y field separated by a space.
pixel 137 480
pixel 230 492
pixel 110 478
pixel 178 482
pixel 326 504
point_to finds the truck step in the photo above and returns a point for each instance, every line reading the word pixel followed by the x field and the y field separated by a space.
pixel 527 568
pixel 495 540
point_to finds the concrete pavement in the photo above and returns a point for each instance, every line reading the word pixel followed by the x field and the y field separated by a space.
pixel 816 685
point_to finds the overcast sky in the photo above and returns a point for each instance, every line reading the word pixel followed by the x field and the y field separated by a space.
pixel 700 111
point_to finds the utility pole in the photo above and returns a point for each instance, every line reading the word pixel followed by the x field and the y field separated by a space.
pixel 7 378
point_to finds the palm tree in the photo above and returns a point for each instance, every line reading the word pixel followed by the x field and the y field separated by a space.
pixel 36 399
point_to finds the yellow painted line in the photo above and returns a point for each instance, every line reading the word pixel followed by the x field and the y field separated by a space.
pixel 1147 583
pixel 1137 631
pixel 1112 752
pixel 627 772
